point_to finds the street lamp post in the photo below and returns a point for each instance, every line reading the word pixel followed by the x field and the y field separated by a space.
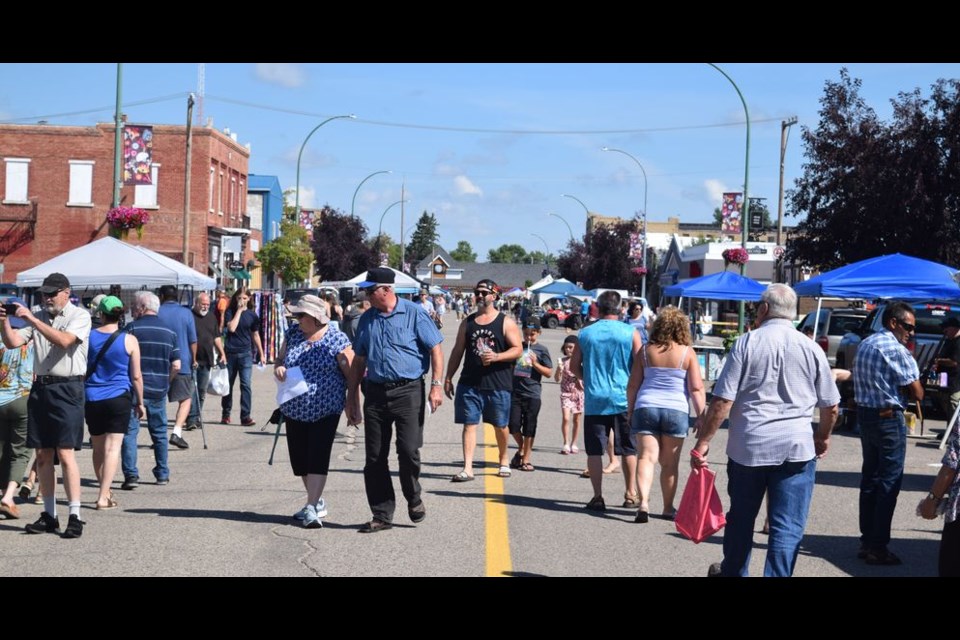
pixel 355 191
pixel 557 215
pixel 643 283
pixel 784 132
pixel 380 229
pixel 300 156
pixel 745 216
pixel 545 247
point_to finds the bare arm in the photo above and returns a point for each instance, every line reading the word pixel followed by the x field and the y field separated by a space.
pixel 716 414
pixel 435 397
pixel 357 367
pixel 914 391
pixel 62 339
pixel 345 361
pixel 218 345
pixel 259 345
pixel 576 362
pixel 174 369
pixel 456 355
pixel 136 375
pixel 821 439
pixel 695 387
pixel 280 369
pixel 634 384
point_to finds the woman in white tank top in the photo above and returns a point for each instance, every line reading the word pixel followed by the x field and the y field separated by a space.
pixel 665 377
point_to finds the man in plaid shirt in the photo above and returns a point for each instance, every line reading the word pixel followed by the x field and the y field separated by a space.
pixel 883 374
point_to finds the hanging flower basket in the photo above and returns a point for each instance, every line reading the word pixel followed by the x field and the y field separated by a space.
pixel 640 271
pixel 738 256
pixel 122 219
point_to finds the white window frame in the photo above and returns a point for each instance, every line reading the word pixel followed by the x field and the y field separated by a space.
pixel 80 193
pixel 213 181
pixel 145 195
pixel 15 168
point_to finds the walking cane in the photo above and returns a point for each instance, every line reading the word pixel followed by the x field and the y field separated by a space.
pixel 275 418
pixel 203 430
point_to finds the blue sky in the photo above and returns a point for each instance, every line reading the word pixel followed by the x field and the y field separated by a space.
pixel 488 148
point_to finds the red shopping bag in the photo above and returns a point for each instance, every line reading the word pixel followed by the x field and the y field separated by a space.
pixel 700 514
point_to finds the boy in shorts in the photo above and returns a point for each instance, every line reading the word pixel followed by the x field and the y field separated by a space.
pixel 531 366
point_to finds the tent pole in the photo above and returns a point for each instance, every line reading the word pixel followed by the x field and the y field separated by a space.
pixel 816 318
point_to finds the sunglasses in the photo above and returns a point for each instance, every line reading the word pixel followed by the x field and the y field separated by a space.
pixel 906 325
pixel 481 292
pixel 375 287
pixel 52 295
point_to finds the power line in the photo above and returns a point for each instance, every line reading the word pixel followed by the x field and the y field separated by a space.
pixel 108 108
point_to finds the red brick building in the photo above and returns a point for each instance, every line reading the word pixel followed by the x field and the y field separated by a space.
pixel 56 185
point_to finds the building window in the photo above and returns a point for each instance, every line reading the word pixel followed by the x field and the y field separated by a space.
pixel 17 174
pixel 213 181
pixel 233 197
pixel 145 196
pixel 255 210
pixel 81 183
pixel 242 191
pixel 220 195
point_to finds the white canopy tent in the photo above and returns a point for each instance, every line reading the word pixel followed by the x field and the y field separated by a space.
pixel 110 261
pixel 402 282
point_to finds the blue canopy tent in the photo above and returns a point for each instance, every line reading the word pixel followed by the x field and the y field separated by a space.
pixel 724 285
pixel 563 288
pixel 890 276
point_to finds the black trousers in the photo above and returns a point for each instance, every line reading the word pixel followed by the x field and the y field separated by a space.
pixel 382 409
pixel 950 550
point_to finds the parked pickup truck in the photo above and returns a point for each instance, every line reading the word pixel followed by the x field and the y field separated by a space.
pixel 924 345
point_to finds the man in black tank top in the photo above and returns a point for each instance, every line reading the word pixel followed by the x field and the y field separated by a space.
pixel 489 343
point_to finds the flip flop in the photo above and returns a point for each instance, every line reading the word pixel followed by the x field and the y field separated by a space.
pixel 461 477
pixel 111 504
pixel 526 466
pixel 504 472
pixel 585 473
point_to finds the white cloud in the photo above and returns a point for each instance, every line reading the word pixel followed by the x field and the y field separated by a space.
pixel 714 190
pixel 463 187
pixel 308 197
pixel 286 75
pixel 444 169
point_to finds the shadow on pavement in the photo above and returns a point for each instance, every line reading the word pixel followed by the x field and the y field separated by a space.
pixel 558 506
pixel 851 479
pixel 919 556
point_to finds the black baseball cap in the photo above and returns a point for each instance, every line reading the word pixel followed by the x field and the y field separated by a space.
pixel 487 283
pixel 377 276
pixel 54 283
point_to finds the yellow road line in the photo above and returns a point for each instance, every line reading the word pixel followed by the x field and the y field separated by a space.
pixel 495 511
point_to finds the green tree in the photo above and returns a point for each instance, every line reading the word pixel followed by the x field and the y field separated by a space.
pixel 464 252
pixel 338 245
pixel 539 257
pixel 289 255
pixel 871 187
pixel 603 258
pixel 508 253
pixel 424 238
pixel 388 246
pixel 289 208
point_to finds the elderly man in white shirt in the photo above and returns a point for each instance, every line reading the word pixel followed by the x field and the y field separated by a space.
pixel 771 382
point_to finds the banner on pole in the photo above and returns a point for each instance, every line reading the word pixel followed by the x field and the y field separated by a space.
pixel 730 213
pixel 137 155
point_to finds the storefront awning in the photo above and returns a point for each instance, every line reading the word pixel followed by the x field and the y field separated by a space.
pixel 239 274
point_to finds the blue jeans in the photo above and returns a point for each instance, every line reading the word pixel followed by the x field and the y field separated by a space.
pixel 884 445
pixel 241 363
pixel 202 378
pixel 157 424
pixel 789 487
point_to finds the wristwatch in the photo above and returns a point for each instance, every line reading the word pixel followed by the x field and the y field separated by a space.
pixel 930 496
pixel 436 383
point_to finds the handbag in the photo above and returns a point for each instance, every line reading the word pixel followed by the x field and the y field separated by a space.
pixel 700 514
pixel 219 384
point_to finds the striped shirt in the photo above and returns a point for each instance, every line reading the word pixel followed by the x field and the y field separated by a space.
pixel 883 365
pixel 774 376
pixel 158 352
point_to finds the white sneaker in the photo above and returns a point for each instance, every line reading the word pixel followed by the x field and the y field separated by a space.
pixel 300 515
pixel 310 518
pixel 321 508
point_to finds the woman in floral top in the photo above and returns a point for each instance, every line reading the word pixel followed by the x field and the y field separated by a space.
pixel 324 355
pixel 16 378
pixel 943 499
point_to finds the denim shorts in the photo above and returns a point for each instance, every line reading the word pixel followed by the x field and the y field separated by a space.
pixel 653 421
pixel 473 406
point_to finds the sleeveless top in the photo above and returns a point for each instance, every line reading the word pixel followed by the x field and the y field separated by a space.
pixel 112 375
pixel 664 387
pixel 480 337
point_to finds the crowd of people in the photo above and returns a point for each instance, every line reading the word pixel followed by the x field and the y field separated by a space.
pixel 629 382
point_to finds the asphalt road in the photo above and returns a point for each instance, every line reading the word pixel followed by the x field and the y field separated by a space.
pixel 226 512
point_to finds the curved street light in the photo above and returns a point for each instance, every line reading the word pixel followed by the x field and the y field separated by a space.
pixel 380 229
pixel 745 216
pixel 557 215
pixel 546 255
pixel 300 155
pixel 643 283
pixel 567 195
pixel 355 191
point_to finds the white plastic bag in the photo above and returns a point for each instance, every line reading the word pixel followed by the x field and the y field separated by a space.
pixel 219 384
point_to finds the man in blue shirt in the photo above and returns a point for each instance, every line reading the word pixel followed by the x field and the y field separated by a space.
pixel 179 319
pixel 883 370
pixel 159 363
pixel 396 342
pixel 603 359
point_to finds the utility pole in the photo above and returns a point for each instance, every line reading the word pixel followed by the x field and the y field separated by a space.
pixel 403 197
pixel 186 182
pixel 784 133
pixel 118 140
